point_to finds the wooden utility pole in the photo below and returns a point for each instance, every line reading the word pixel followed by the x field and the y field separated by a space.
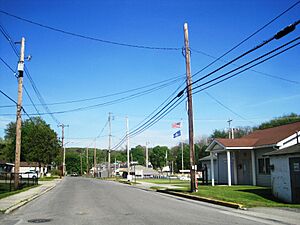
pixel 193 167
pixel 19 113
pixel 63 166
pixel 109 144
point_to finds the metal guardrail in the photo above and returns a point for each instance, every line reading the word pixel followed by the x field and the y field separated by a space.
pixel 7 181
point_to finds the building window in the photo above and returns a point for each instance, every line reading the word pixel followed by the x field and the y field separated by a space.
pixel 264 166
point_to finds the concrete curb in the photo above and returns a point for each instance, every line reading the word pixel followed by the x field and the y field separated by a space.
pixel 25 201
pixel 203 199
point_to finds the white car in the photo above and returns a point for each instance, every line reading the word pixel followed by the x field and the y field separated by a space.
pixel 29 174
pixel 184 178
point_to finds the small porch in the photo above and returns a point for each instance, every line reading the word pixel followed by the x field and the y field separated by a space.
pixel 235 165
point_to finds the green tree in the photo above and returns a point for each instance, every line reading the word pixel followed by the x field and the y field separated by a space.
pixel 219 134
pixel 138 154
pixel 158 156
pixel 282 120
pixel 39 143
pixel 72 162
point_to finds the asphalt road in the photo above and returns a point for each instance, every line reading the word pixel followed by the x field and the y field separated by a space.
pixel 78 200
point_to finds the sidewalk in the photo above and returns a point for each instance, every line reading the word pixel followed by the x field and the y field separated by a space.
pixel 147 185
pixel 13 202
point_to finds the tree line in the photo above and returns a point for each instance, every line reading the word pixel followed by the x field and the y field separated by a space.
pixel 41 144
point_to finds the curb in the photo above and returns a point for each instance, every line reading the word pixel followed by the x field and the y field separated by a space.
pixel 203 199
pixel 25 201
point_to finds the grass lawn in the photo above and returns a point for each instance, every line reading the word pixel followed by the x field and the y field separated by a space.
pixel 166 181
pixel 48 178
pixel 6 194
pixel 248 196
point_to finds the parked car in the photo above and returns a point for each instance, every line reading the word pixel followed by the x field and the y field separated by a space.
pixel 29 174
pixel 74 174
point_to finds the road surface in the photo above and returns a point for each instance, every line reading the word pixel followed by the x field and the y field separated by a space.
pixel 78 200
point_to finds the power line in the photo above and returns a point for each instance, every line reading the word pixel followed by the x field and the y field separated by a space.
pixel 255 71
pixel 23 86
pixel 35 89
pixel 226 107
pixel 170 81
pixel 246 39
pixel 89 37
pixel 123 99
pixel 277 36
pixel 260 62
pixel 11 99
pixel 260 57
pixel 161 114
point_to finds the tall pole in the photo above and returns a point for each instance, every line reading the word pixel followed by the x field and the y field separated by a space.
pixel 95 159
pixel 87 161
pixel 229 129
pixel 19 113
pixel 63 148
pixel 182 165
pixel 147 155
pixel 127 145
pixel 190 109
pixel 109 143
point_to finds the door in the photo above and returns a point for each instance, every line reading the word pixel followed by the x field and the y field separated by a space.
pixel 244 168
pixel 295 179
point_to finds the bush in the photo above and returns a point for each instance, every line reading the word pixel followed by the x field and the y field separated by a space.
pixel 55 172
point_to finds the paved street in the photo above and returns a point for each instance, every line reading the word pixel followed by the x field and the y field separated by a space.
pixel 78 200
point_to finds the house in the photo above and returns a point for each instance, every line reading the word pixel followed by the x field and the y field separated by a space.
pixel 33 166
pixel 285 173
pixel 243 161
pixel 5 167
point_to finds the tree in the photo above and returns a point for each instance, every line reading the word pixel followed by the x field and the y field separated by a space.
pixel 282 120
pixel 219 134
pixel 138 154
pixel 158 156
pixel 39 142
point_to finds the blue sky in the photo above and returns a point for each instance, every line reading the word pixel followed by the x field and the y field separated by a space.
pixel 66 68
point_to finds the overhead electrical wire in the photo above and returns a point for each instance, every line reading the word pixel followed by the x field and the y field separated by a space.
pixel 89 37
pixel 174 79
pixel 256 64
pixel 157 117
pixel 277 36
pixel 25 89
pixel 226 107
pixel 255 71
pixel 11 99
pixel 35 89
pixel 246 39
pixel 119 100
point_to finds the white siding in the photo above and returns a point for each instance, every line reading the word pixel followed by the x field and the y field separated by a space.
pixel 280 178
pixel 262 179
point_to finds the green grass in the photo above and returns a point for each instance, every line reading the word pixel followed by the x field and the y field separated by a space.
pixel 48 178
pixel 6 194
pixel 248 196
pixel 166 181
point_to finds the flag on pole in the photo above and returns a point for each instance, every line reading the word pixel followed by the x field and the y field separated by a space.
pixel 177 134
pixel 176 125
